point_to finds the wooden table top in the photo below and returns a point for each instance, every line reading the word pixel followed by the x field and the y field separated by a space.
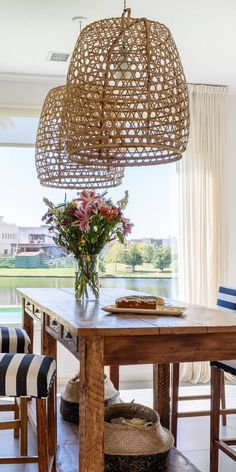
pixel 88 318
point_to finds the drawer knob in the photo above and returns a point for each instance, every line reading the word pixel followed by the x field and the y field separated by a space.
pixel 68 335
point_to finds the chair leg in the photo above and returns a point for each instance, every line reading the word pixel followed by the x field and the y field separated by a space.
pixel 215 415
pixel 23 427
pixel 174 400
pixel 51 420
pixel 222 395
pixel 16 417
pixel 41 408
pixel 115 376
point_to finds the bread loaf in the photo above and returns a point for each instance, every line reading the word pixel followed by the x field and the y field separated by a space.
pixel 139 301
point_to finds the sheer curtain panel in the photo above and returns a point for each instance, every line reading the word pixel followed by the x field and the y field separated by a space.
pixel 202 211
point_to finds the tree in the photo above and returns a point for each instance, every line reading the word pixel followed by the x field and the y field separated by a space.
pixel 133 257
pixel 162 258
pixel 101 266
pixel 147 252
pixel 115 253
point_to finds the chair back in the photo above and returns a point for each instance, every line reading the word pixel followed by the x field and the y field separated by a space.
pixel 226 298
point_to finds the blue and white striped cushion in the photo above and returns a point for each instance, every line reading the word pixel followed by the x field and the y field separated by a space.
pixel 226 298
pixel 13 340
pixel 28 375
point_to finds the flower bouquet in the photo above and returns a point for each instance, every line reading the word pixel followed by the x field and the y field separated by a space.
pixel 83 227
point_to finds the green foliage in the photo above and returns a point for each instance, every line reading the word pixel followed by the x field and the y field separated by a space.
pixel 7 262
pixel 115 253
pixel 174 261
pixel 101 266
pixel 147 252
pixel 162 257
pixel 133 256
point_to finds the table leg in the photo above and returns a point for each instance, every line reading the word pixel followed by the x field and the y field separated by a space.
pixel 48 342
pixel 161 392
pixel 91 410
pixel 28 325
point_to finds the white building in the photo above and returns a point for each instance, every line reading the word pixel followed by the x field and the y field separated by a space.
pixel 35 235
pixel 8 237
pixel 37 238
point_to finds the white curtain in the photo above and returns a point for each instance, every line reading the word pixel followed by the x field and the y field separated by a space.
pixel 203 215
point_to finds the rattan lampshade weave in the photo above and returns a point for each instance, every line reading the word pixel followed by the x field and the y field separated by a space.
pixel 128 104
pixel 52 164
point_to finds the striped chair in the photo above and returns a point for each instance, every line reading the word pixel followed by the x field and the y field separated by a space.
pixel 14 340
pixel 227 300
pixel 26 376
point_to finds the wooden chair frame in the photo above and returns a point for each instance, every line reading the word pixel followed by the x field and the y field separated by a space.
pixel 216 443
pixel 175 398
pixel 46 432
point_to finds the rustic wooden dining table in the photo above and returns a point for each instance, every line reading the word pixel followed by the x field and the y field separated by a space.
pixel 98 339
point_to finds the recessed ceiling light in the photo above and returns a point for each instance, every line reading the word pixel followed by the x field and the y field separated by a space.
pixel 58 56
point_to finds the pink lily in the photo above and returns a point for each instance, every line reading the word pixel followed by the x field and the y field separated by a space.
pixel 83 213
pixel 84 225
pixel 87 198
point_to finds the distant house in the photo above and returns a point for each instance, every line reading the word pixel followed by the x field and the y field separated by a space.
pixel 37 238
pixel 167 242
pixel 8 237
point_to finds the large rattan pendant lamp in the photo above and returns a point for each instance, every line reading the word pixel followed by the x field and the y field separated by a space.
pixel 52 164
pixel 128 101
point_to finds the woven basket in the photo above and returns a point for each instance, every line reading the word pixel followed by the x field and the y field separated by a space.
pixel 127 101
pixel 134 448
pixel 54 169
pixel 69 405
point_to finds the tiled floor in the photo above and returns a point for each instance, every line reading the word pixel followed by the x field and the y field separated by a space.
pixel 193 433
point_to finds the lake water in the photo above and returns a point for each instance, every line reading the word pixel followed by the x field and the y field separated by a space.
pixel 166 287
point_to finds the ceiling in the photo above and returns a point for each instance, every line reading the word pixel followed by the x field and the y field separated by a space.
pixel 204 31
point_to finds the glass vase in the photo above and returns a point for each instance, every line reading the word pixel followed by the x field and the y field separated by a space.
pixel 86 277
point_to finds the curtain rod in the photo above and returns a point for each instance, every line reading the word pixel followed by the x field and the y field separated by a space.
pixel 208 85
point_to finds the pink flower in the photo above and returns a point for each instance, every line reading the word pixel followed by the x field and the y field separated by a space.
pixel 84 225
pixel 91 199
pixel 82 213
pixel 127 226
pixel 84 218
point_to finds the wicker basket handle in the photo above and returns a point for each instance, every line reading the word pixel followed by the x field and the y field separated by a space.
pixel 128 11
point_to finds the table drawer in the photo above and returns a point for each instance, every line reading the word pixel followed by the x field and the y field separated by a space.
pixel 38 313
pixel 29 307
pixel 70 340
pixel 54 327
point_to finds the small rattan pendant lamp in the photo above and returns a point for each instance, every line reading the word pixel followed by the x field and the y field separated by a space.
pixel 128 104
pixel 52 165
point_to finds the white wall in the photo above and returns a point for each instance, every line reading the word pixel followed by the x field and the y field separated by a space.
pixel 8 236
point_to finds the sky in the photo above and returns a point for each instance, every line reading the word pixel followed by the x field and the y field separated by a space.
pixel 152 203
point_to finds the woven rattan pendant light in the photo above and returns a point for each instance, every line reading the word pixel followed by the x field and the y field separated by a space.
pixel 53 167
pixel 128 101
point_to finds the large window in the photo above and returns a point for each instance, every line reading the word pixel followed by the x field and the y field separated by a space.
pixel 148 261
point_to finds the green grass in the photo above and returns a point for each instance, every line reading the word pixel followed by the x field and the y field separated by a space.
pixel 146 270
pixel 112 270
pixel 51 272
